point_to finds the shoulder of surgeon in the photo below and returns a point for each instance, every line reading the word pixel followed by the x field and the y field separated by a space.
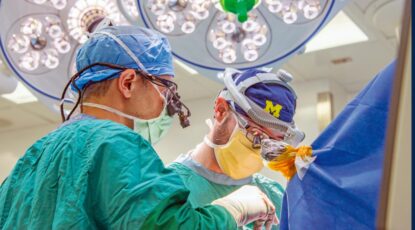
pixel 268 184
pixel 91 133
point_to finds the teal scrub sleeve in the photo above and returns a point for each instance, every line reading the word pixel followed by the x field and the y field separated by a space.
pixel 133 189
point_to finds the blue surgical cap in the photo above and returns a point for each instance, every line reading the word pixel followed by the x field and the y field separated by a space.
pixel 128 46
pixel 261 92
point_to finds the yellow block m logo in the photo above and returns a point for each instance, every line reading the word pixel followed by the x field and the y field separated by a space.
pixel 274 110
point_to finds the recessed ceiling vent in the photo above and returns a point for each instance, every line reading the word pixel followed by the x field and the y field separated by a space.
pixel 342 60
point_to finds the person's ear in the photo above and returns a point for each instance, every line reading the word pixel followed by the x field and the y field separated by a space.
pixel 222 110
pixel 125 83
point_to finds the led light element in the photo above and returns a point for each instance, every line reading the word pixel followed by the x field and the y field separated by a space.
pixel 37 43
pixel 290 11
pixel 19 43
pixel 30 61
pixel 229 36
pixel 180 16
pixel 57 4
pixel 84 14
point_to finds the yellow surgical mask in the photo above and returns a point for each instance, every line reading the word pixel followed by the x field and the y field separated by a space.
pixel 237 158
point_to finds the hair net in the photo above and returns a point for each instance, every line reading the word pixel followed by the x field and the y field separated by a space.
pixel 129 46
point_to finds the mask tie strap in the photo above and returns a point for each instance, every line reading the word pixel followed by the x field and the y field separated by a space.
pixel 206 140
pixel 209 123
pixel 209 143
pixel 109 109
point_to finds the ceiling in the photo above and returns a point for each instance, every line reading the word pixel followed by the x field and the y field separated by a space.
pixel 377 18
pixel 25 116
pixel 361 61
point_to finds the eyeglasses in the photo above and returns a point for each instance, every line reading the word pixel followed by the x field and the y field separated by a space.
pixel 174 104
pixel 255 134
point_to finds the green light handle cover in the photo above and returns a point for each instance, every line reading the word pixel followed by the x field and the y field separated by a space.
pixel 239 7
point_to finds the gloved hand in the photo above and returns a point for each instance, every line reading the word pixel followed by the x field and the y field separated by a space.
pixel 249 204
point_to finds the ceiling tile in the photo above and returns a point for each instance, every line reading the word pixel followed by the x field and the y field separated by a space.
pixel 19 119
pixel 5 103
pixel 368 58
pixel 41 111
pixel 298 77
pixel 363 4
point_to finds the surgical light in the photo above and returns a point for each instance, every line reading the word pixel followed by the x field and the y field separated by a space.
pixel 57 4
pixel 19 43
pixel 232 22
pixel 230 37
pixel 37 42
pixel 290 11
pixel 30 61
pixel 179 16
pixel 40 39
pixel 84 14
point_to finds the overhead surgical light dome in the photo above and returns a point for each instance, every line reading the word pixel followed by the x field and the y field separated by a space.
pixel 213 34
pixel 39 38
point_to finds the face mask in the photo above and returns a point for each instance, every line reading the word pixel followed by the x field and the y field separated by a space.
pixel 151 130
pixel 237 158
pixel 155 129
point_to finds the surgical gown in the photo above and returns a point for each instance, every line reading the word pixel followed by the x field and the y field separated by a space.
pixel 96 174
pixel 203 191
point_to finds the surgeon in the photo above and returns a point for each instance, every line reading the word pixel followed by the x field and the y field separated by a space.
pixel 253 117
pixel 98 170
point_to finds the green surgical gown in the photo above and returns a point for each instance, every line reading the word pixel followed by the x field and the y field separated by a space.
pixel 96 174
pixel 204 191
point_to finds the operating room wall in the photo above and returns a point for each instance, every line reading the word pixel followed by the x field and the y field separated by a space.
pixel 306 114
pixel 340 96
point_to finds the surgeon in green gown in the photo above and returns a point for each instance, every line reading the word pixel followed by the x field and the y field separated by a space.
pixel 255 108
pixel 98 170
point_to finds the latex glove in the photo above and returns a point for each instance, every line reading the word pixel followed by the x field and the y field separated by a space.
pixel 249 204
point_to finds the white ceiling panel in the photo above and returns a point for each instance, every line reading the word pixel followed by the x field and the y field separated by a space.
pixel 19 119
pixel 5 103
pixel 42 112
pixel 363 4
pixel 362 62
